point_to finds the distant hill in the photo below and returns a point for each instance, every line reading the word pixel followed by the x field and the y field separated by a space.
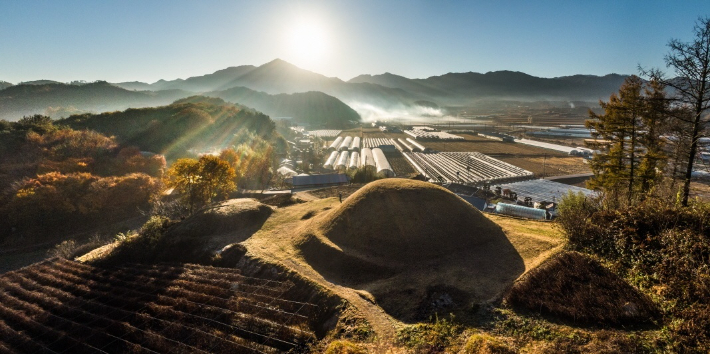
pixel 394 92
pixel 209 82
pixel 61 100
pixel 279 76
pixel 262 87
pixel 196 122
pixel 4 85
pixel 314 108
pixel 457 87
pixel 39 82
pixel 27 99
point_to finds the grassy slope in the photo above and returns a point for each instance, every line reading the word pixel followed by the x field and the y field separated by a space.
pixel 277 242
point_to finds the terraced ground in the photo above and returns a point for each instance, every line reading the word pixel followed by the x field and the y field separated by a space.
pixel 62 306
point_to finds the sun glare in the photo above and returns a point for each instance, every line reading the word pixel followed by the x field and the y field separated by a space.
pixel 308 44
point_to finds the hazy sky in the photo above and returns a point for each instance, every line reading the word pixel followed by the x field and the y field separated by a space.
pixel 149 40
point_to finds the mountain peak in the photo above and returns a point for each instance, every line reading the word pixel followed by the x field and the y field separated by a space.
pixel 279 62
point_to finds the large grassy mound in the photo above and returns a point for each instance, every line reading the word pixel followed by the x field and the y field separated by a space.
pixel 407 221
pixel 575 287
pixel 416 247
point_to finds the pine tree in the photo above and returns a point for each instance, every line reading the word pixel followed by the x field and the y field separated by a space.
pixel 630 128
pixel 619 126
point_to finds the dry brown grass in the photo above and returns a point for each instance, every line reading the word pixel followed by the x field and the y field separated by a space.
pixel 365 282
pixel 577 288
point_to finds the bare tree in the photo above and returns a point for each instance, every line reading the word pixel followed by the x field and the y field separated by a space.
pixel 690 62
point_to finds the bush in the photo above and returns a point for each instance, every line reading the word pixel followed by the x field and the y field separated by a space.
pixel 144 246
pixel 574 211
pixel 485 344
pixel 432 337
pixel 344 347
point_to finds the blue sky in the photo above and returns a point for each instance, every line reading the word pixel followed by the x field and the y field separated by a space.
pixel 149 40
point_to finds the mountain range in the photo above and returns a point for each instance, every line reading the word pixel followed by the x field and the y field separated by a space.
pixel 279 88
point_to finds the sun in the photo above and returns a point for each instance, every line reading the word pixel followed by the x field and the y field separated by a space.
pixel 307 43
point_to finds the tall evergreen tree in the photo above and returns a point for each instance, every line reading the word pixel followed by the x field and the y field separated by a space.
pixel 619 126
pixel 654 122
pixel 630 129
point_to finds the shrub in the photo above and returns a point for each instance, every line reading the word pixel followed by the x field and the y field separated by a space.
pixel 485 344
pixel 344 347
pixel 574 212
pixel 436 336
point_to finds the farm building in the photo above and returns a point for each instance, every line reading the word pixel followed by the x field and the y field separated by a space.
pixel 335 144
pixel 366 158
pixel 407 146
pixel 431 135
pixel 307 181
pixel 330 162
pixel 354 160
pixel 521 211
pixel 355 146
pixel 383 166
pixel 342 161
pixel 543 190
pixel 496 136
pixel 416 146
pixel 326 133
pixel 386 144
pixel 345 144
pixel 285 171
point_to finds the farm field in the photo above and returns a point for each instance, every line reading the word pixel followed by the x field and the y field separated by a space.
pixel 553 166
pixel 489 147
pixel 65 306
pixel 399 164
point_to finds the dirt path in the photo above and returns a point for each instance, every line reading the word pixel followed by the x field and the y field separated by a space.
pixel 305 196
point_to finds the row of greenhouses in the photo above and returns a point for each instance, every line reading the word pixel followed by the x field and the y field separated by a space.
pixel 465 167
pixel 347 143
pixel 367 158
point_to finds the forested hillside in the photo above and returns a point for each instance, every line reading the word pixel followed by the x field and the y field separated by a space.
pixel 27 99
pixel 314 108
pixel 195 123
pixel 56 181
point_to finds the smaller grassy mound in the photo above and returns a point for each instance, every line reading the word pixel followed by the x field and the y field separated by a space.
pixel 578 288
pixel 236 217
pixel 196 239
